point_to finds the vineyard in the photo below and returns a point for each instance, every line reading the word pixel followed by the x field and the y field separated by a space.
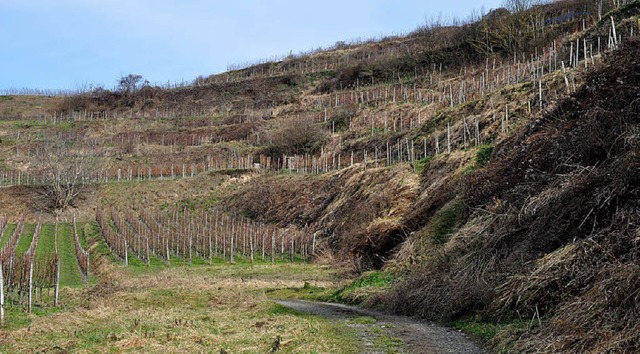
pixel 185 236
pixel 36 259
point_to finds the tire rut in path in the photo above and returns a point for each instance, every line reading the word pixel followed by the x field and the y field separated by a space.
pixel 414 336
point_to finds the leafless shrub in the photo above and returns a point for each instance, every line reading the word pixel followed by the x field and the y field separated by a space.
pixel 297 136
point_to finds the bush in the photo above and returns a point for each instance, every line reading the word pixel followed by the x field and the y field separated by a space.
pixel 296 137
pixel 341 119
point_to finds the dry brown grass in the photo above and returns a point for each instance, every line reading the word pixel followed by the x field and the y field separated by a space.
pixel 351 210
pixel 551 234
pixel 194 309
pixel 24 106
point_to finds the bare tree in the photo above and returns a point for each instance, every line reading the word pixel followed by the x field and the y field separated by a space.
pixel 516 6
pixel 131 83
pixel 510 29
pixel 65 171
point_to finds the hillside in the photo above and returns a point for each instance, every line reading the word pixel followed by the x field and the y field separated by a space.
pixel 491 174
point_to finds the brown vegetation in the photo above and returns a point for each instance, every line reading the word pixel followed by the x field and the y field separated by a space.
pixel 152 101
pixel 562 200
pixel 295 137
pixel 354 213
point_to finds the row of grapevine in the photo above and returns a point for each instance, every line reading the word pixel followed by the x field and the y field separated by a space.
pixel 24 275
pixel 3 224
pixel 114 240
pixel 7 254
pixel 306 65
pixel 365 54
pixel 186 234
pixel 434 86
pixel 467 134
pixel 82 255
pixel 7 261
pixel 470 83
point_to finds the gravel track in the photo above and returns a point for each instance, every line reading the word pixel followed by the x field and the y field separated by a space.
pixel 410 336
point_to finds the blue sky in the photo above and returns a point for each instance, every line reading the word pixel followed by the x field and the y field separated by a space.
pixel 69 44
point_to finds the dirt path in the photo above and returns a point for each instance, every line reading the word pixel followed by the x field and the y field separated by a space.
pixel 383 333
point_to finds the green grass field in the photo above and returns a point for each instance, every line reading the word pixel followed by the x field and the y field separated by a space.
pixel 8 231
pixel 25 238
pixel 46 242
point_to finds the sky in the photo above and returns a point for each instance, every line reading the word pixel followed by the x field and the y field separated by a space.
pixel 74 44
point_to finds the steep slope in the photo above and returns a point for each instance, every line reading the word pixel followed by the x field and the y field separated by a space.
pixel 351 211
pixel 551 231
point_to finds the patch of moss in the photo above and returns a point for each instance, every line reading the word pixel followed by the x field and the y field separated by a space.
pixel 421 165
pixel 367 320
pixel 486 331
pixel 369 283
pixel 483 155
pixel 444 223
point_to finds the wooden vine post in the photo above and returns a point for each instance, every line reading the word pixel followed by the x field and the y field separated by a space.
pixel 251 246
pixel 30 257
pixel 30 284
pixel 126 253
pixel 57 285
pixel 231 260
pixel 613 29
pixel 273 247
pixel 1 296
